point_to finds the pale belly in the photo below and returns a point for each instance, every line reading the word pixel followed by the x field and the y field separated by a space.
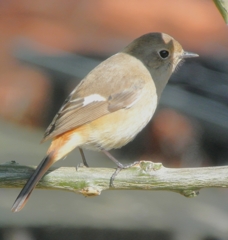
pixel 127 123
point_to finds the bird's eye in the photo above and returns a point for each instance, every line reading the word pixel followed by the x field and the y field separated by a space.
pixel 164 54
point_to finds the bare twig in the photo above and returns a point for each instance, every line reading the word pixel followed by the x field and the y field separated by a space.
pixel 144 176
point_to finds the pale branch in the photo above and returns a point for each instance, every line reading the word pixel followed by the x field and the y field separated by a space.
pixel 144 176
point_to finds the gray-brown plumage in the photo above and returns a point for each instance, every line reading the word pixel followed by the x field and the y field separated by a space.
pixel 112 104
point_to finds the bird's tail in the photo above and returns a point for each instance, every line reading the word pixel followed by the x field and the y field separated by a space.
pixel 32 182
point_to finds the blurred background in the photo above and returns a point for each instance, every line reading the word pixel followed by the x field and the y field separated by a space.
pixel 46 48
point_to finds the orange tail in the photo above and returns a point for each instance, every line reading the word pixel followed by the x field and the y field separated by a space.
pixel 32 182
pixel 60 147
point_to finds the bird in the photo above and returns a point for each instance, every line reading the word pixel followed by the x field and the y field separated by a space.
pixel 111 105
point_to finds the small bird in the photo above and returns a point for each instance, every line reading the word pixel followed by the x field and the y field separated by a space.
pixel 112 104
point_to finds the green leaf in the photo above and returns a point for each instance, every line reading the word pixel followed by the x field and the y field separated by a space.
pixel 222 6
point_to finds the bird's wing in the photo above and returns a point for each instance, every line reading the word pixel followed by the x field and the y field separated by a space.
pixel 81 110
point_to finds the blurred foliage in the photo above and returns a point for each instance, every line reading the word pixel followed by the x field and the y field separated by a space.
pixel 223 8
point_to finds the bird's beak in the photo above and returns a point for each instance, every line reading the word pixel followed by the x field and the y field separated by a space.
pixel 189 55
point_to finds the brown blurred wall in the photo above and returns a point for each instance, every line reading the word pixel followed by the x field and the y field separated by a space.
pixel 90 27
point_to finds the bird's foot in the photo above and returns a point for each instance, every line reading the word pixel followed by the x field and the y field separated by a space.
pixel 80 165
pixel 119 168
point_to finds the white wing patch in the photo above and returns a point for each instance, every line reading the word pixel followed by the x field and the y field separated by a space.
pixel 93 98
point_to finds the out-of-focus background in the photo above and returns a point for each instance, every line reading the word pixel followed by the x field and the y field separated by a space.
pixel 46 48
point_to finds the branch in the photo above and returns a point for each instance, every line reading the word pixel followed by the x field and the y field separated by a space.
pixel 144 176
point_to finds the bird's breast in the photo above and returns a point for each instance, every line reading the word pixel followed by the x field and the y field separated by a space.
pixel 118 128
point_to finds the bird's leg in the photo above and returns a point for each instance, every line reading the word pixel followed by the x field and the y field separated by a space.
pixel 83 157
pixel 120 166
